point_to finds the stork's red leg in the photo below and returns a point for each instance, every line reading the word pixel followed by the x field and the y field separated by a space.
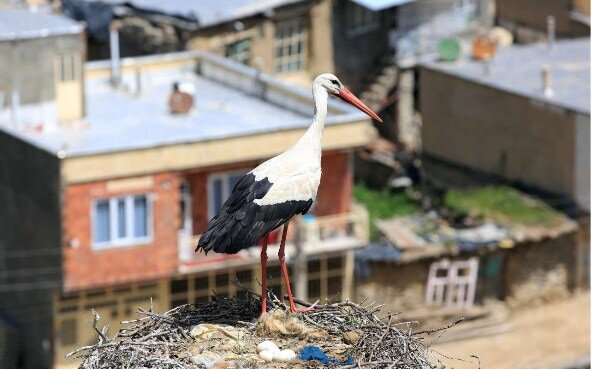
pixel 284 270
pixel 263 263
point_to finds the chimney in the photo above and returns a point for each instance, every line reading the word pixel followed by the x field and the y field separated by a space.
pixel 551 29
pixel 547 82
pixel 115 58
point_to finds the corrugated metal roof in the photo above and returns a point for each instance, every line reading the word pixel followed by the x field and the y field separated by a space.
pixel 377 5
pixel 211 12
pixel 18 24
pixel 517 69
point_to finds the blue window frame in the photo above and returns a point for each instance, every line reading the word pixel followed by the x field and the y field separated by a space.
pixel 121 221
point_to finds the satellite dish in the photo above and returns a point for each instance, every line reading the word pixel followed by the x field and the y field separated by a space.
pixel 483 48
pixel 448 49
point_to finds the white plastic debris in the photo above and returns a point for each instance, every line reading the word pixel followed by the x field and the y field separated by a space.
pixel 285 355
pixel 268 346
pixel 266 355
pixel 207 359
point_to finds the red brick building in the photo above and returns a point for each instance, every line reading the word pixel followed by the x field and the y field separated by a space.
pixel 134 186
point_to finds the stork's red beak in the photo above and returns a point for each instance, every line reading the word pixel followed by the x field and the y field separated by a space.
pixel 349 97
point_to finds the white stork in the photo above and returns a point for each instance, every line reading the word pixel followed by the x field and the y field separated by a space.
pixel 276 190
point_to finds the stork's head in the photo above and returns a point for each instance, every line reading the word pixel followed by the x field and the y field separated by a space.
pixel 334 87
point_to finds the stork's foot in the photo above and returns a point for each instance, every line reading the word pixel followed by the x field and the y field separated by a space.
pixel 297 310
pixel 300 310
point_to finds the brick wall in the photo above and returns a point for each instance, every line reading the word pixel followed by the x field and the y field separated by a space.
pixel 85 268
pixel 334 197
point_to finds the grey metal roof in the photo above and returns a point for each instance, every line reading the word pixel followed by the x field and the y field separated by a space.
pixel 211 12
pixel 517 69
pixel 24 24
pixel 118 120
pixel 377 5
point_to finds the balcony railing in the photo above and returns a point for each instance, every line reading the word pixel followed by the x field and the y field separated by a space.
pixel 316 235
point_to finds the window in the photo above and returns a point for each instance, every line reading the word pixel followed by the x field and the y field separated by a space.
pixel 290 46
pixel 239 51
pixel 67 67
pixel 120 221
pixel 219 188
pixel 452 283
pixel 361 20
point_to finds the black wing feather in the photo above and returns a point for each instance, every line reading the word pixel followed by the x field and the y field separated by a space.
pixel 241 223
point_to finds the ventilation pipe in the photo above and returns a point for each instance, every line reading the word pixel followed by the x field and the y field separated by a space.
pixel 115 58
pixel 551 29
pixel 547 81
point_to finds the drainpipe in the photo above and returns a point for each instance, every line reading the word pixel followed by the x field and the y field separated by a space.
pixel 115 58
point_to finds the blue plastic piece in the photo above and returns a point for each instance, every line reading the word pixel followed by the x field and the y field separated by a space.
pixel 311 352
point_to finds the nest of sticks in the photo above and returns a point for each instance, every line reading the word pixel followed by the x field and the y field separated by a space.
pixel 165 341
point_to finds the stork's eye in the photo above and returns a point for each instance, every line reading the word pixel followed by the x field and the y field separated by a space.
pixel 335 82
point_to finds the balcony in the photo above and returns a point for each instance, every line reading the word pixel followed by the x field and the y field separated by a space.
pixel 313 235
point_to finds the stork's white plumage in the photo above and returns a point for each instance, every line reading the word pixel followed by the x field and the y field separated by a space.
pixel 272 193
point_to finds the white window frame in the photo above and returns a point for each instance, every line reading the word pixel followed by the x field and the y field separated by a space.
pixel 285 62
pixel 361 20
pixel 453 289
pixel 225 190
pixel 129 239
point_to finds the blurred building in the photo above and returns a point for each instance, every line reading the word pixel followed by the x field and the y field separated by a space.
pixel 534 101
pixel 528 20
pixel 104 211
pixel 287 38
pixel 41 79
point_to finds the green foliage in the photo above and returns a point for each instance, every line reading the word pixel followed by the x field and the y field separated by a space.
pixel 501 203
pixel 383 204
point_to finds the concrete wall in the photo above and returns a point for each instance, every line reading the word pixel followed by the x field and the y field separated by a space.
pixel 540 272
pixel 499 133
pixel 532 14
pixel 260 30
pixel 399 287
pixel 29 64
pixel 583 161
pixel 355 54
pixel 30 239
pixel 85 268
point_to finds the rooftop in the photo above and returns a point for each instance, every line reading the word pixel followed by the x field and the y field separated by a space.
pixel 230 101
pixel 517 69
pixel 18 24
pixel 210 12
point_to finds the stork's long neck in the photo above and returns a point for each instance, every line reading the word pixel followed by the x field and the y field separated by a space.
pixel 311 141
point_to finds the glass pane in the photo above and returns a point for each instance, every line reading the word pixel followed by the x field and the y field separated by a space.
pixel 140 213
pixel 121 219
pixel 102 222
pixel 217 195
pixel 201 283
pixel 334 285
pixel 222 280
pixel 179 286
